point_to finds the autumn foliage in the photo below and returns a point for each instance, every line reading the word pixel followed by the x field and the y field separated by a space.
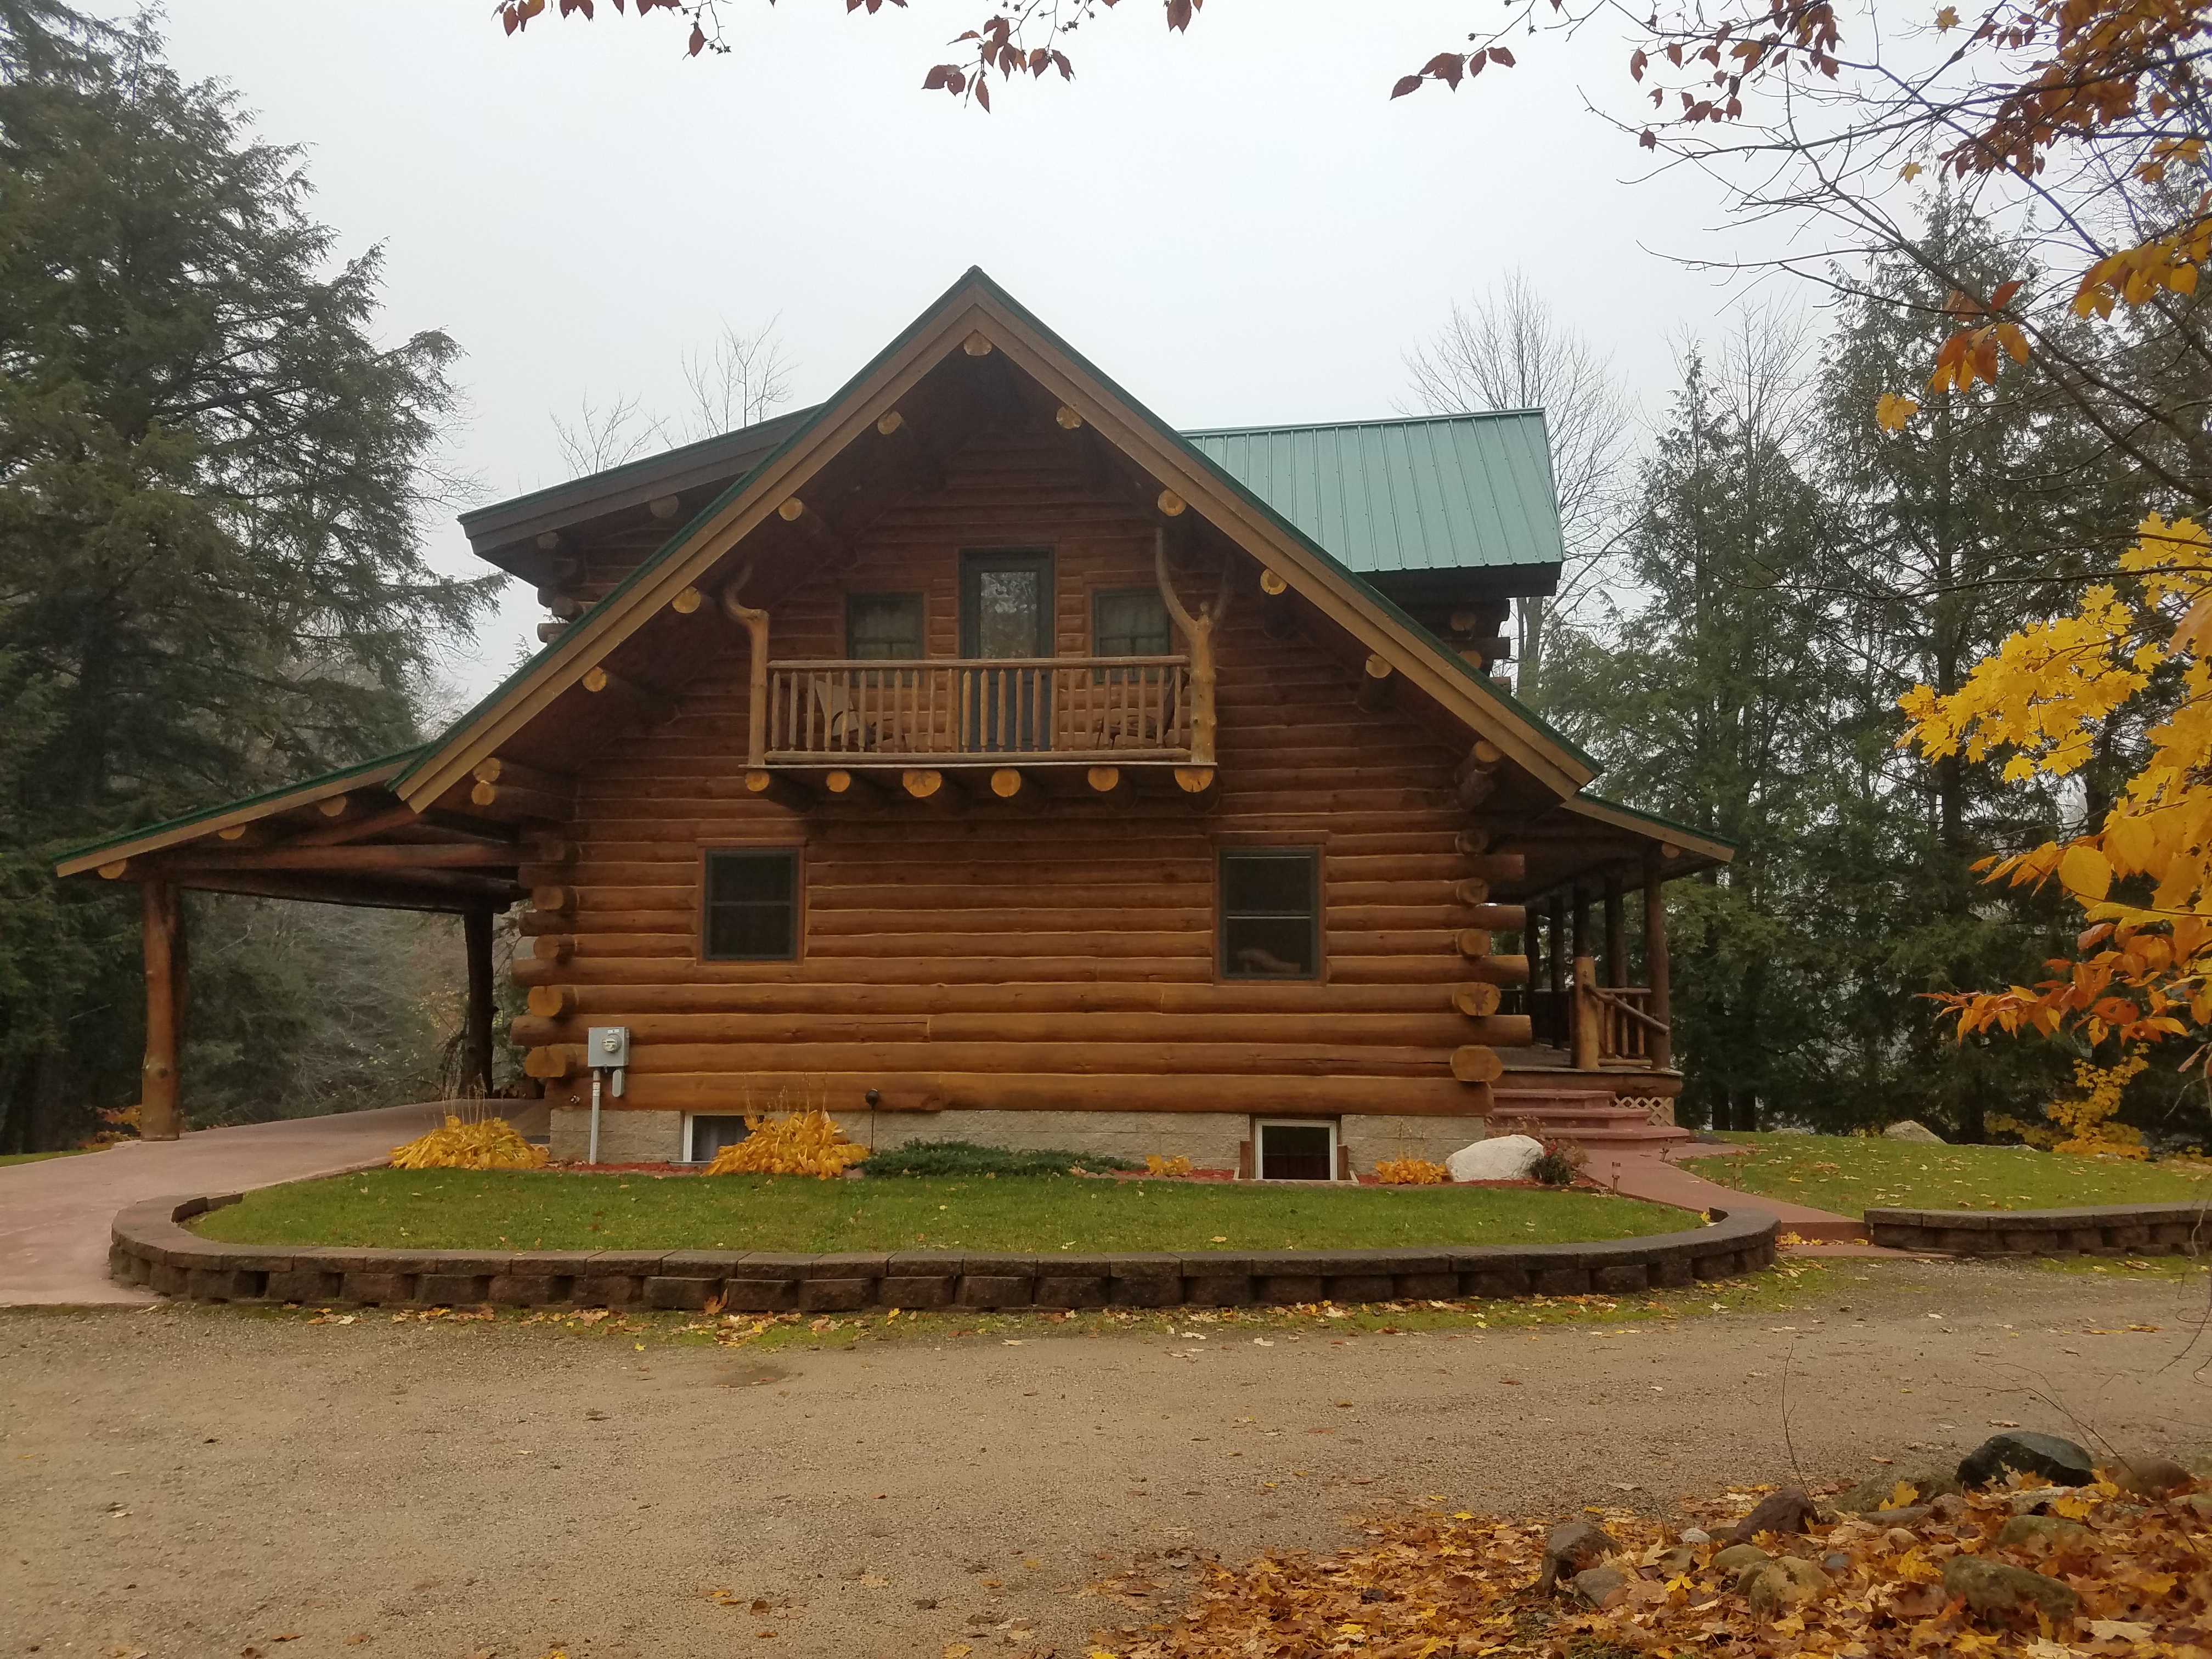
pixel 807 1143
pixel 490 1143
pixel 2143 970
pixel 1411 1172
pixel 2138 1571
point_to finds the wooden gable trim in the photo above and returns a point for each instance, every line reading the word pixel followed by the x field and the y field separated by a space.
pixel 250 811
pixel 1651 830
pixel 974 309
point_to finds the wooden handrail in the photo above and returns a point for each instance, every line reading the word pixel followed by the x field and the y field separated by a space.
pixel 922 710
pixel 1606 995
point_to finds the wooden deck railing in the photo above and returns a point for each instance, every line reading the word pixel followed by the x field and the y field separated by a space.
pixel 1612 1023
pixel 1050 707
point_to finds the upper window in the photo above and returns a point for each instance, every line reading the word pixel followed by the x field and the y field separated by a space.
pixel 1271 913
pixel 883 627
pixel 1130 622
pixel 752 905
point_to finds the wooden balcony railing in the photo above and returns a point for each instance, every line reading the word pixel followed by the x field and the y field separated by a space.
pixel 1612 1024
pixel 947 712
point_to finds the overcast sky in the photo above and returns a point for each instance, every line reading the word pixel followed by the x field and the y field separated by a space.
pixel 1235 223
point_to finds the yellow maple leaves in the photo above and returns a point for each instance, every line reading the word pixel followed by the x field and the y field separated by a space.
pixel 1894 410
pixel 491 1143
pixel 2143 968
pixel 807 1143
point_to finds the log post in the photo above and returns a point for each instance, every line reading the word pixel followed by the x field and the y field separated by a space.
pixel 1661 1045
pixel 1616 933
pixel 756 626
pixel 1199 631
pixel 1580 947
pixel 1584 1055
pixel 1555 970
pixel 476 1050
pixel 161 923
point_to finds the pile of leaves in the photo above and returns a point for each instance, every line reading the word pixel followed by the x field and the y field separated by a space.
pixel 1158 1165
pixel 490 1143
pixel 1439 1586
pixel 1411 1172
pixel 967 1158
pixel 807 1143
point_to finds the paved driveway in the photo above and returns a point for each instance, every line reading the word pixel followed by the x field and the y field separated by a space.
pixel 55 1214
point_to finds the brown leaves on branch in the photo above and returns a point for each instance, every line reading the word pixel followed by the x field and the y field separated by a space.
pixel 1453 67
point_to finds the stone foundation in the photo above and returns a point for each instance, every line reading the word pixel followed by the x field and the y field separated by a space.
pixel 1211 1141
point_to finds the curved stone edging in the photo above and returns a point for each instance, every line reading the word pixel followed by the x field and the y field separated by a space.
pixel 152 1247
pixel 2107 1229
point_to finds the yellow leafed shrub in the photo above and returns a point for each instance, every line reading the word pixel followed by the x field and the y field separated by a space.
pixel 1411 1172
pixel 1178 1165
pixel 807 1143
pixel 491 1143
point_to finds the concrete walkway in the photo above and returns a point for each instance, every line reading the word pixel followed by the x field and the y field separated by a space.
pixel 1657 1176
pixel 55 1214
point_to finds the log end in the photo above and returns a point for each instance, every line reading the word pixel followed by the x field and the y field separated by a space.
pixel 1473 1063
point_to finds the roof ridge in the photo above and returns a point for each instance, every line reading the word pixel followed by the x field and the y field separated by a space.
pixel 1378 419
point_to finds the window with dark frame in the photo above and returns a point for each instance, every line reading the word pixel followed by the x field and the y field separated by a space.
pixel 1270 901
pixel 752 905
pixel 1297 1151
pixel 1129 621
pixel 883 627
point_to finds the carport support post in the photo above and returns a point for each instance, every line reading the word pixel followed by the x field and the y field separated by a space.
pixel 1655 963
pixel 162 924
pixel 475 1054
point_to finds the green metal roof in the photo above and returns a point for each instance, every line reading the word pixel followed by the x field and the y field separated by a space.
pixel 1431 492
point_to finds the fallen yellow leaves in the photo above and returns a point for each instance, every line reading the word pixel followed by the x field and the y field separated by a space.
pixel 1863 1587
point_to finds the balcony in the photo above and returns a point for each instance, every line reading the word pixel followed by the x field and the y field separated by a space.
pixel 1042 710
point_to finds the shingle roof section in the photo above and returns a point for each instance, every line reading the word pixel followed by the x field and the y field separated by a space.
pixel 1441 492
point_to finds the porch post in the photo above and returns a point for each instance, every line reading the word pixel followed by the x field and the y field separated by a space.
pixel 161 925
pixel 1581 902
pixel 1655 964
pixel 476 1053
pixel 1555 971
pixel 1616 933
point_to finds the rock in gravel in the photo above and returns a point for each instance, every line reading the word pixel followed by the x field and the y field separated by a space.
pixel 1695 1536
pixel 1736 1557
pixel 1880 1491
pixel 2147 1477
pixel 1994 1587
pixel 1598 1585
pixel 2049 1534
pixel 1572 1547
pixel 1786 1581
pixel 2024 1451
pixel 1501 1157
pixel 1787 1511
pixel 1918 1133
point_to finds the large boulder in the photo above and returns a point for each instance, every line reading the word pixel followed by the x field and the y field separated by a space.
pixel 1572 1547
pixel 2023 1451
pixel 1995 1586
pixel 1772 1587
pixel 1880 1492
pixel 1920 1133
pixel 2147 1477
pixel 1502 1157
pixel 1787 1511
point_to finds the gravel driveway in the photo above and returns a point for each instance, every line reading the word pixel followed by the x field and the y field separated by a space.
pixel 193 1482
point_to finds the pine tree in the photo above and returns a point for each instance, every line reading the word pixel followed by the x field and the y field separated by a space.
pixel 213 485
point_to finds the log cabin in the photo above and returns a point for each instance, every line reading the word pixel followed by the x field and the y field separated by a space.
pixel 975 756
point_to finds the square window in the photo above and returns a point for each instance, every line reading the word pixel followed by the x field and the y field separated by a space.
pixel 1130 622
pixel 710 1134
pixel 1271 914
pixel 883 627
pixel 1297 1151
pixel 752 906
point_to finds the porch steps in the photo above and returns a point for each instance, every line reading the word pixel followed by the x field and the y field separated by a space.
pixel 1588 1119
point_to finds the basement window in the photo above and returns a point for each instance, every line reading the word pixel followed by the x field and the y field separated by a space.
pixel 1271 913
pixel 752 905
pixel 1297 1151
pixel 709 1135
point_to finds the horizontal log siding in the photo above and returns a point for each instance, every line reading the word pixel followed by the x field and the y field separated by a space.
pixel 1059 959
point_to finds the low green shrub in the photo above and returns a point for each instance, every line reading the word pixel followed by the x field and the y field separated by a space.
pixel 965 1157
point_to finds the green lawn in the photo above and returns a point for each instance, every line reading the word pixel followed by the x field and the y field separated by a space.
pixel 1851 1174
pixel 34 1157
pixel 453 1209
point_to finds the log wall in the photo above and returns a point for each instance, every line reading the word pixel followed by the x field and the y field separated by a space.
pixel 1063 958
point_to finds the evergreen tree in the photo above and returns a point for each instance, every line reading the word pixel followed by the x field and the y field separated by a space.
pixel 213 484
